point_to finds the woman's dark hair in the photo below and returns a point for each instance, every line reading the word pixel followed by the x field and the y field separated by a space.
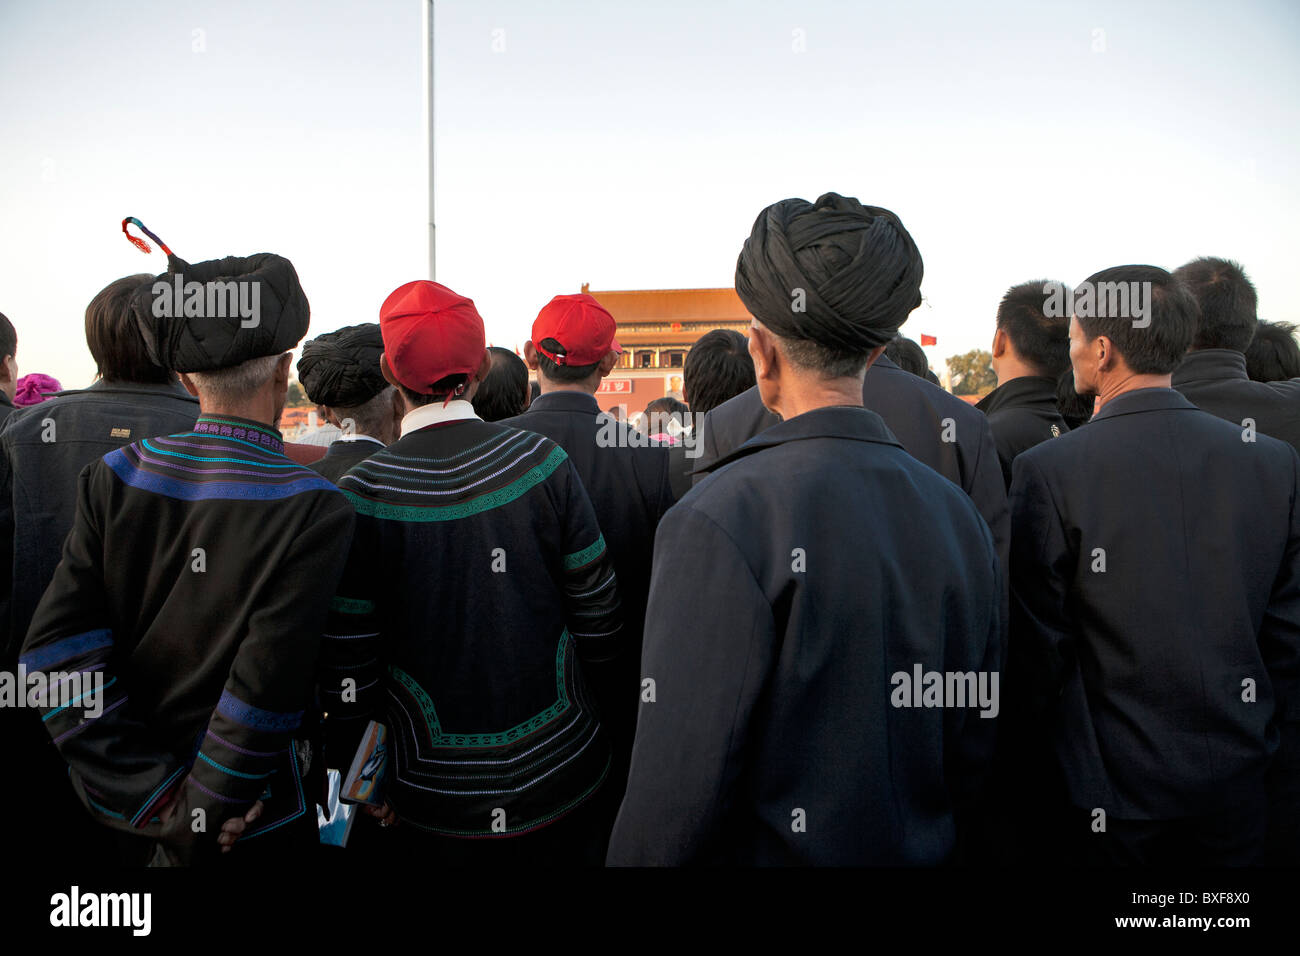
pixel 114 337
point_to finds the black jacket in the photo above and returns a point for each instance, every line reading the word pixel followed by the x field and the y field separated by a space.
pixel 936 428
pixel 773 639
pixel 1215 381
pixel 1155 568
pixel 1022 413
pixel 628 483
pixel 342 455
pixel 42 451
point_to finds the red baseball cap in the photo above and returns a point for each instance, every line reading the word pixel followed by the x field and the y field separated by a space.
pixel 583 327
pixel 429 333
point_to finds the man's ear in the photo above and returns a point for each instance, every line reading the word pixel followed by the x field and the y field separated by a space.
pixel 484 367
pixel 1105 352
pixel 999 343
pixel 878 351
pixel 189 385
pixel 608 362
pixel 763 350
pixel 282 369
pixel 530 355
pixel 389 377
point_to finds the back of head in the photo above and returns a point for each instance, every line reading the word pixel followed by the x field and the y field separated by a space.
pixel 908 356
pixel 664 416
pixel 1042 341
pixel 718 367
pixel 503 393
pixel 1147 314
pixel 1227 303
pixel 113 334
pixel 1273 354
pixel 8 337
pixel 833 280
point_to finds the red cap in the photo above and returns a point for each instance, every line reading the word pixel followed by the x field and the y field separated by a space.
pixel 582 326
pixel 429 333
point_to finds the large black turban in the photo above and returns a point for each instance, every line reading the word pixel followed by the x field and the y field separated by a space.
pixel 341 369
pixel 834 272
pixel 218 314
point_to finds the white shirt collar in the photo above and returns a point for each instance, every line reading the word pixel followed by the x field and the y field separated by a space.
pixel 435 412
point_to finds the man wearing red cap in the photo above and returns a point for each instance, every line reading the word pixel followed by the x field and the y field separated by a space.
pixel 478 577
pixel 572 349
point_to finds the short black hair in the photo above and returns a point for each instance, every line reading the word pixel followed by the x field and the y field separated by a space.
pixel 503 392
pixel 1273 354
pixel 718 367
pixel 1041 341
pixel 1227 303
pixel 442 388
pixel 561 374
pixel 8 338
pixel 907 355
pixel 1155 348
pixel 113 335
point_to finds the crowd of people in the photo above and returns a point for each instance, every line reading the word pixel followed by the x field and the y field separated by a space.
pixel 818 611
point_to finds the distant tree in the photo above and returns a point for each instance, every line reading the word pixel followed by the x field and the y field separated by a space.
pixel 296 397
pixel 972 372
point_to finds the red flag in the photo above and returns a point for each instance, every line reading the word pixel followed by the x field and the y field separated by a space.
pixel 928 339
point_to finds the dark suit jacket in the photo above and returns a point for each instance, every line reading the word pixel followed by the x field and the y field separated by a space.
pixel 627 480
pixel 1139 668
pixel 774 637
pixel 935 428
pixel 1215 381
pixel 1022 413
pixel 342 455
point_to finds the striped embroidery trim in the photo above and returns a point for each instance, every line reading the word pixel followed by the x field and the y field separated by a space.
pixel 586 555
pixel 485 502
pixel 351 606
pixel 255 717
pixel 42 658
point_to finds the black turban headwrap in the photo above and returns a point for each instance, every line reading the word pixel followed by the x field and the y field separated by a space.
pixel 857 266
pixel 220 335
pixel 341 369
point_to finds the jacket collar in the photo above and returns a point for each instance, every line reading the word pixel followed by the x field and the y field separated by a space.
pixel 172 389
pixel 1144 400
pixel 1026 390
pixel 1208 365
pixel 245 429
pixel 835 421
pixel 436 413
pixel 565 402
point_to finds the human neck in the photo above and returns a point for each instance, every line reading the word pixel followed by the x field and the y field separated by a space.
pixel 258 409
pixel 1009 368
pixel 1127 381
pixel 586 388
pixel 806 393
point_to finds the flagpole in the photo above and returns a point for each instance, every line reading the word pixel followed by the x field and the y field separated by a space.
pixel 428 99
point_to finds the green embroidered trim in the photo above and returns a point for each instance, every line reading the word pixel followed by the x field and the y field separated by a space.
pixel 485 502
pixel 440 738
pixel 586 555
pixel 352 606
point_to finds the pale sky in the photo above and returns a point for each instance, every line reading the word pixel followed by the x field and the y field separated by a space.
pixel 633 146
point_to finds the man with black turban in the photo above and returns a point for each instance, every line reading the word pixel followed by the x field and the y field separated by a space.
pixel 798 721
pixel 808 267
pixel 340 371
pixel 195 582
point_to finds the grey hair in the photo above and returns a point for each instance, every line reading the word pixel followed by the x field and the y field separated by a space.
pixel 368 417
pixel 238 381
